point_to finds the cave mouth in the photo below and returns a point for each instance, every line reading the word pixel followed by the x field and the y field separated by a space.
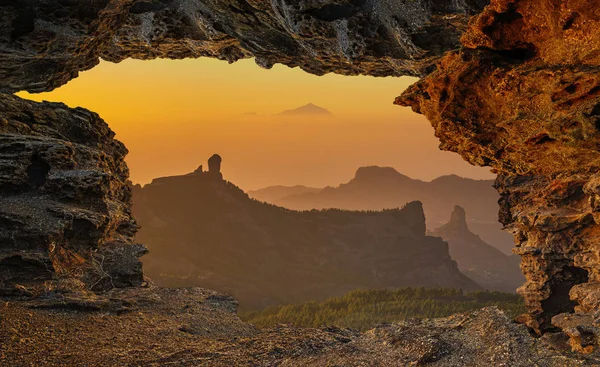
pixel 320 123
pixel 37 172
pixel 559 300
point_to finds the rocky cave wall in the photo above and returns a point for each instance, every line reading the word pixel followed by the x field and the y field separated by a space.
pixel 522 95
pixel 65 219
pixel 44 44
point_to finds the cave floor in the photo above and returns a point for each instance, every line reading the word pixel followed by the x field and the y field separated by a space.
pixel 198 327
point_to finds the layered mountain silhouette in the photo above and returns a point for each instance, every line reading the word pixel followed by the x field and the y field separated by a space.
pixel 377 188
pixel 483 263
pixel 204 231
pixel 306 110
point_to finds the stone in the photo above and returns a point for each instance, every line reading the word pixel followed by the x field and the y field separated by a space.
pixel 198 327
pixel 583 332
pixel 379 38
pixel 521 96
pixel 65 199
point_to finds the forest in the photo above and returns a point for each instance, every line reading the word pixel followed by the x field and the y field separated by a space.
pixel 364 309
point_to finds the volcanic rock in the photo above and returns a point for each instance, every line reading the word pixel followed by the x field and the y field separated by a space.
pixel 46 43
pixel 522 96
pixel 198 328
pixel 65 220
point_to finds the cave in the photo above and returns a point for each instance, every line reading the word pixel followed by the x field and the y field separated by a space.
pixel 559 300
pixel 37 172
pixel 498 91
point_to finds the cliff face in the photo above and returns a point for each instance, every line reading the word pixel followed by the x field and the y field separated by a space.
pixel 481 262
pixel 522 96
pixel 65 223
pixel 349 37
pixel 204 231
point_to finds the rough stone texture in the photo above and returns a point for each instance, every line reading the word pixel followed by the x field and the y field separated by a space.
pixel 523 96
pixel 64 202
pixel 581 330
pixel 199 328
pixel 46 43
pixel 554 221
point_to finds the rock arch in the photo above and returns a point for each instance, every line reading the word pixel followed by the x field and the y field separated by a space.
pixel 521 95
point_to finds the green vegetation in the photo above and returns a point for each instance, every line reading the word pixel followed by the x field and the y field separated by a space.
pixel 363 309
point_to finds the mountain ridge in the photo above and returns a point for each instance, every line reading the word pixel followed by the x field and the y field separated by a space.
pixel 376 188
pixel 204 231
pixel 308 109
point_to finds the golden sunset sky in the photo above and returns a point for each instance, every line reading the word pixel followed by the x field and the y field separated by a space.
pixel 174 114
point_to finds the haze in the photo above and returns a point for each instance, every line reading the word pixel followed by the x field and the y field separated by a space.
pixel 174 114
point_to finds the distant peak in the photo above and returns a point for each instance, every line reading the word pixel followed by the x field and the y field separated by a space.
pixel 376 172
pixel 307 109
pixel 458 218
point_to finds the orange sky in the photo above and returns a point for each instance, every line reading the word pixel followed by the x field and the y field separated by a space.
pixel 174 114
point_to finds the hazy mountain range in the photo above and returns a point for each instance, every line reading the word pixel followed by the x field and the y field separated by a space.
pixel 377 188
pixel 307 110
pixel 204 231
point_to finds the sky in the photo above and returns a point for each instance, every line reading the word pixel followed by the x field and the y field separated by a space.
pixel 174 114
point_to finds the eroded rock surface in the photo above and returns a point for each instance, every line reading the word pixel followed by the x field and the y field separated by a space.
pixel 46 43
pixel 65 220
pixel 197 327
pixel 523 96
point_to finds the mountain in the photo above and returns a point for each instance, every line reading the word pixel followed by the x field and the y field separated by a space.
pixel 483 263
pixel 275 193
pixel 307 110
pixel 204 231
pixel 377 188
